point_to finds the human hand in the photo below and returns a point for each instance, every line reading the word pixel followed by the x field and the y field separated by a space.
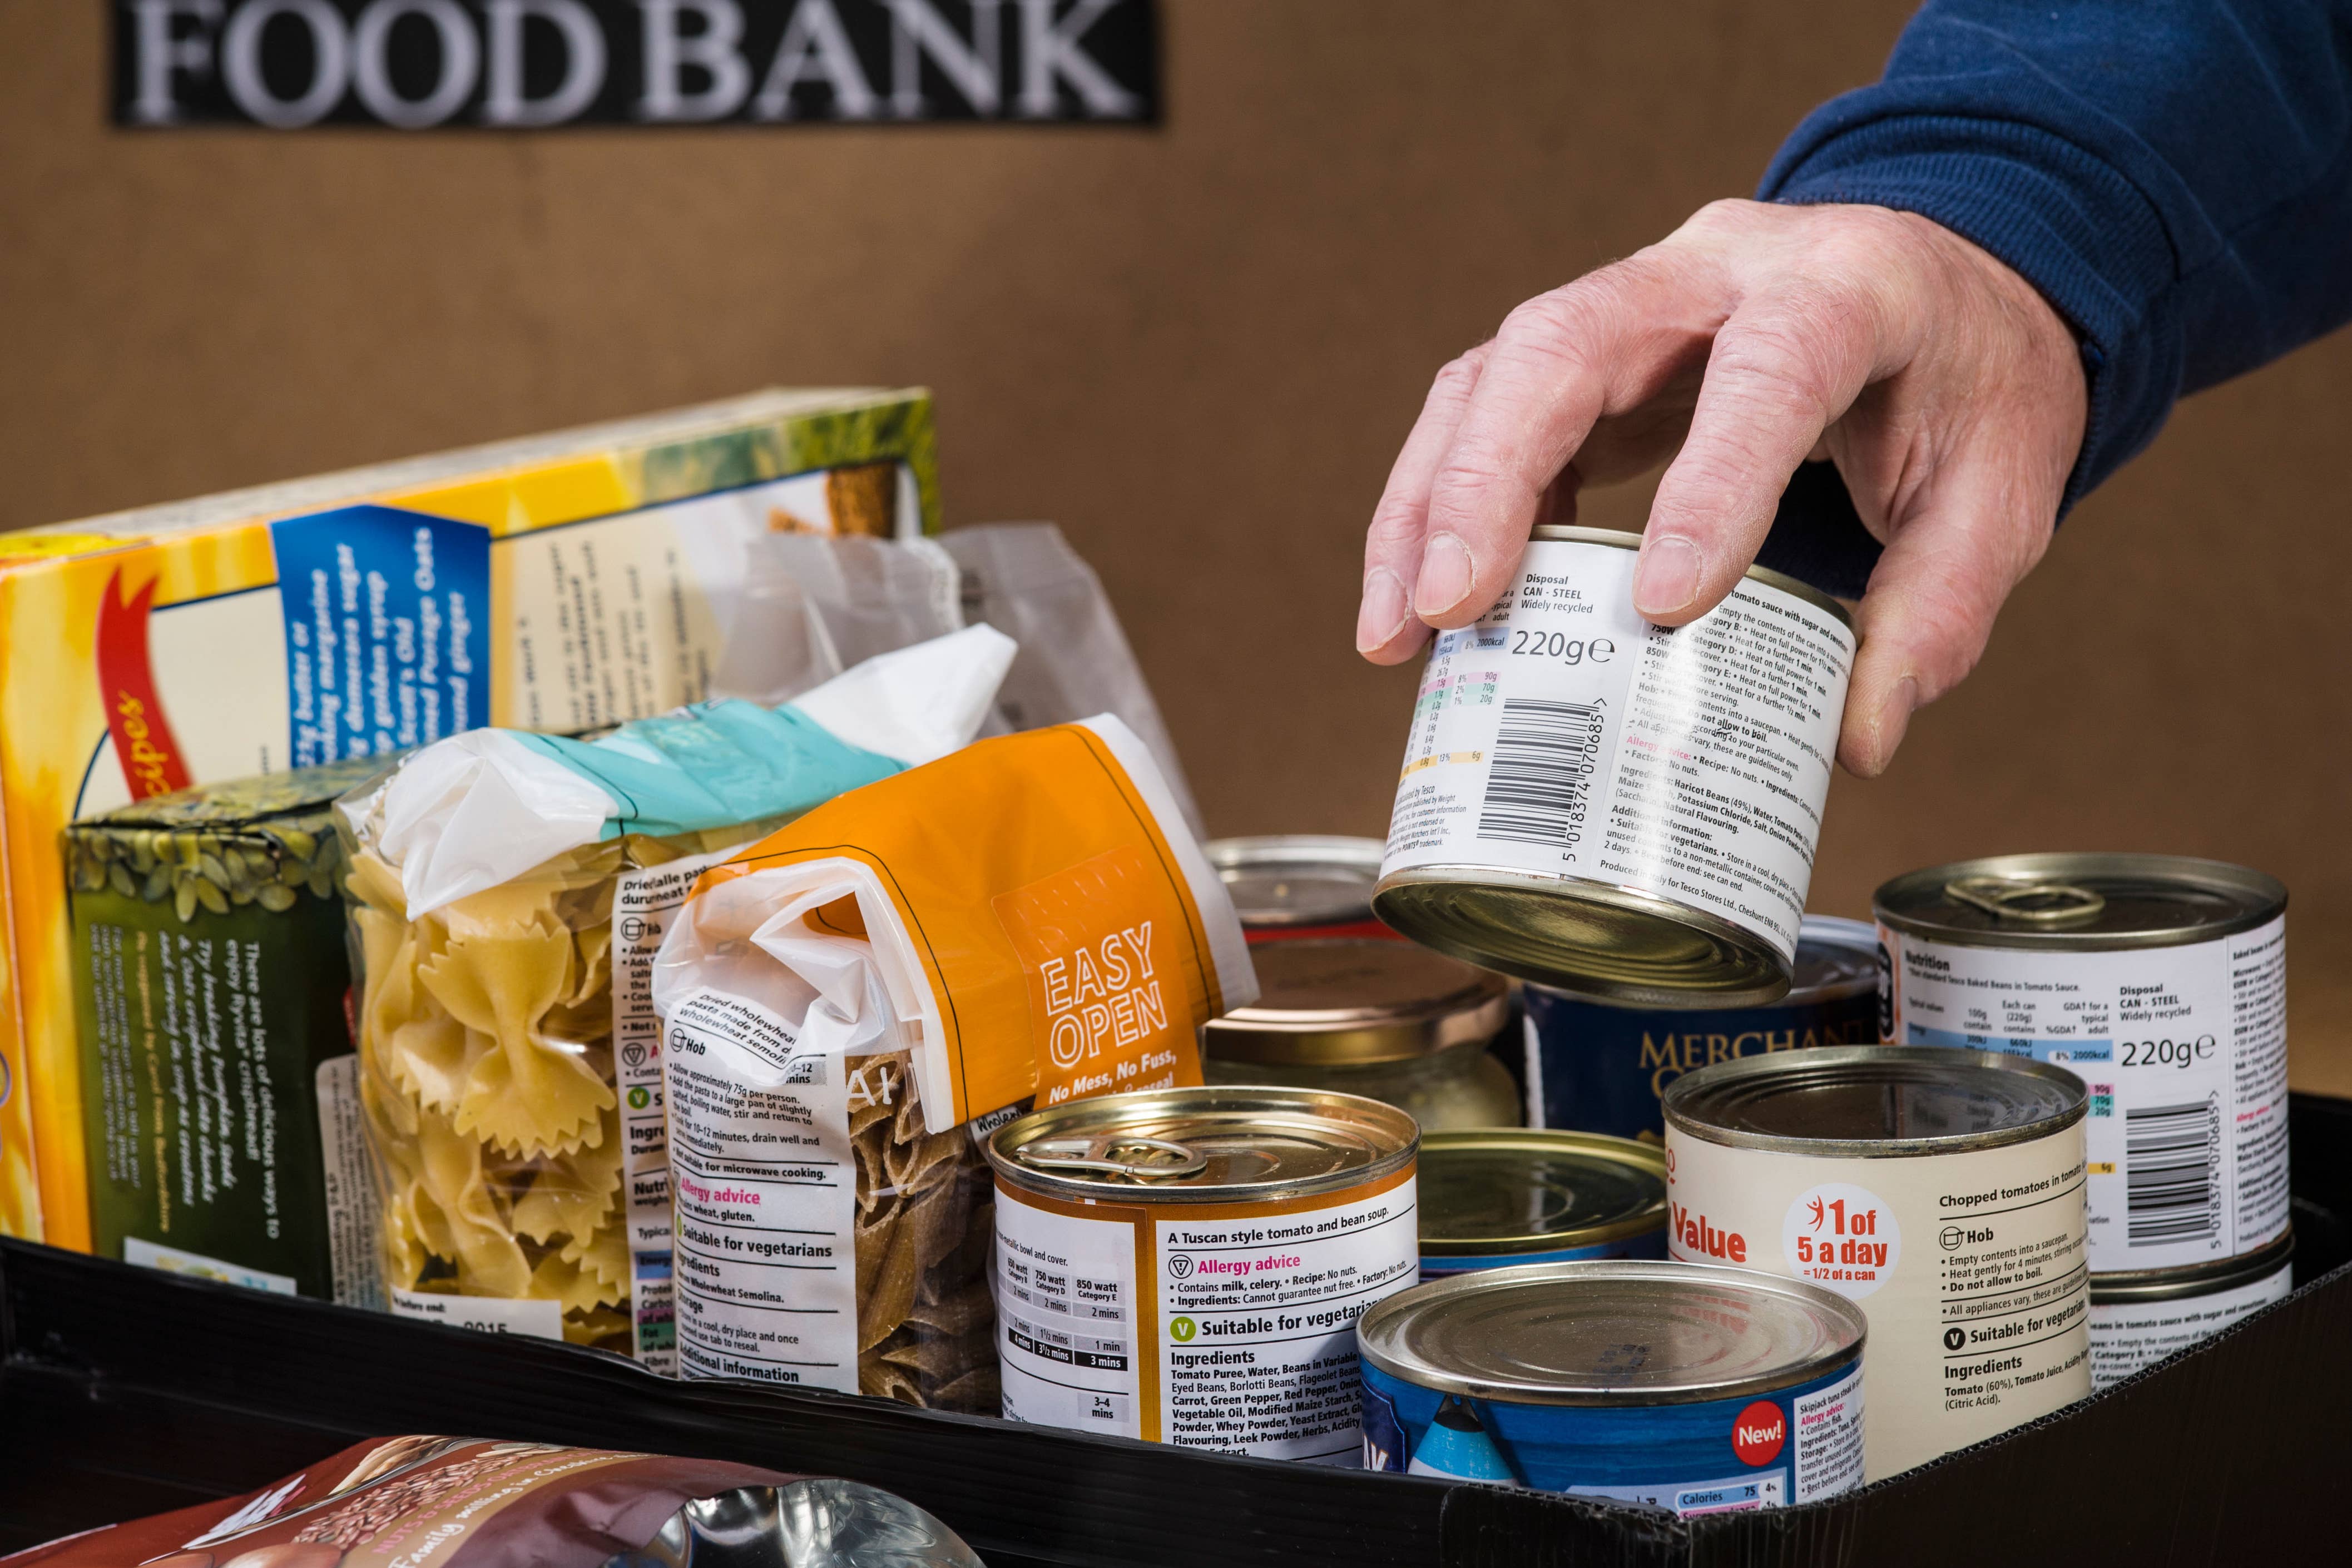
pixel 1951 395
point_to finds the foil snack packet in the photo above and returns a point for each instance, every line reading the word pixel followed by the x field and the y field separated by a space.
pixel 463 1502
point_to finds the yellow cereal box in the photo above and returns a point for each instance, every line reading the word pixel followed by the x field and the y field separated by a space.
pixel 560 582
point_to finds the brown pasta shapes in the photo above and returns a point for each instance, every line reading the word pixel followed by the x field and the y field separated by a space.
pixel 924 1320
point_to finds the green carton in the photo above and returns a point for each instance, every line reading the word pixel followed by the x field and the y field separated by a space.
pixel 210 977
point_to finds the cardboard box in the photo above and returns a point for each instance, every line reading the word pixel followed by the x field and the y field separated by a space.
pixel 2235 1451
pixel 219 1090
pixel 525 583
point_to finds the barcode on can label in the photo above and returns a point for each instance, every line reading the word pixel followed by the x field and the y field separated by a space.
pixel 2172 1168
pixel 1542 772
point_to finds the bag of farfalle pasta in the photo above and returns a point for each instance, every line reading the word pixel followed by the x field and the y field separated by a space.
pixel 852 1004
pixel 507 892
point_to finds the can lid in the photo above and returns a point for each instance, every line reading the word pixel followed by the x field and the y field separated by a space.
pixel 1493 1191
pixel 2197 1278
pixel 2091 902
pixel 1595 940
pixel 1613 1332
pixel 1210 1144
pixel 1349 999
pixel 1871 1101
pixel 1283 879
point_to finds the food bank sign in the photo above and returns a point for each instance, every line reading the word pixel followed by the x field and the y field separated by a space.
pixel 422 65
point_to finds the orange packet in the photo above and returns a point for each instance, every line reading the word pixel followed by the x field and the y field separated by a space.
pixel 1029 918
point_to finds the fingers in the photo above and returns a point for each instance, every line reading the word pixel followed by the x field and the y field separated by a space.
pixel 1932 600
pixel 1785 366
pixel 1602 345
pixel 1386 631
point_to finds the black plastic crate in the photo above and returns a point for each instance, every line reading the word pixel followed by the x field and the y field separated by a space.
pixel 125 1392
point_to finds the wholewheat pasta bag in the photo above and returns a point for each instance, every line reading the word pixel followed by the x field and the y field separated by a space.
pixel 506 893
pixel 853 1003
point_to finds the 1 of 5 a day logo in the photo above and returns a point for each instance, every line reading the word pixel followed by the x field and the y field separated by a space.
pixel 1843 1237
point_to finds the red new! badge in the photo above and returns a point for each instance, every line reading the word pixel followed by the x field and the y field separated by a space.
pixel 1760 1433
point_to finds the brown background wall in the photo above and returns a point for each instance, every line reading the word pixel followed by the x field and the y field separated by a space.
pixel 1196 348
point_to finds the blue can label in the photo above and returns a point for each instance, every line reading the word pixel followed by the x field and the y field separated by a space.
pixel 1797 1445
pixel 1652 1244
pixel 1596 1069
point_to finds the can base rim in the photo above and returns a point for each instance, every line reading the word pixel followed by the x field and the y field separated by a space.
pixel 1427 905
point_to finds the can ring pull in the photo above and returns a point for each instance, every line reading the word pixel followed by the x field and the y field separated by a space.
pixel 1115 1154
pixel 2027 902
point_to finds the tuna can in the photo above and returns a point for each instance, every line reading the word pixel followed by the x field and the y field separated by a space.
pixel 1601 1069
pixel 1940 1189
pixel 1504 1195
pixel 1623 811
pixel 2137 1320
pixel 1187 1265
pixel 2161 982
pixel 1699 1389
pixel 1381 1019
pixel 1300 884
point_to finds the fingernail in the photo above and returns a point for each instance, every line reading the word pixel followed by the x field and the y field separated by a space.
pixel 1384 613
pixel 1667 578
pixel 1444 576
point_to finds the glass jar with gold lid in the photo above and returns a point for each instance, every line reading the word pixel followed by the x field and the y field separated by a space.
pixel 1374 1017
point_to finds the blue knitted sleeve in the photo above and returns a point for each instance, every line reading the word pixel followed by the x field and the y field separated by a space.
pixel 2175 176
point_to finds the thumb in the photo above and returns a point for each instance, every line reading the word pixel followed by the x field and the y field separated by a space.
pixel 1972 535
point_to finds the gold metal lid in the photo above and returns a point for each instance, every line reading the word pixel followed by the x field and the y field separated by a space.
pixel 1346 1000
pixel 1489 1192
pixel 1283 881
pixel 1595 939
pixel 1612 1332
pixel 1245 1144
pixel 2087 903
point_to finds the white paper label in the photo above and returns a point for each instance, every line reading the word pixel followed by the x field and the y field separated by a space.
pixel 2129 1336
pixel 1968 1267
pixel 484 1314
pixel 765 1187
pixel 2184 1052
pixel 643 900
pixel 1564 734
pixel 1829 1439
pixel 354 1212
pixel 1245 1328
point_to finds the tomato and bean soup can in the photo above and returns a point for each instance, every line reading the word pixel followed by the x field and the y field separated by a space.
pixel 1939 1190
pixel 2161 982
pixel 1494 1197
pixel 1699 1389
pixel 2137 1320
pixel 1601 1069
pixel 1623 811
pixel 1187 1266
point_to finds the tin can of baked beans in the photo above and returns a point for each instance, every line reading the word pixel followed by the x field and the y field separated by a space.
pixel 2161 982
pixel 1300 884
pixel 1695 1388
pixel 1601 1069
pixel 1495 1198
pixel 2137 1320
pixel 1187 1266
pixel 1940 1190
pixel 1623 811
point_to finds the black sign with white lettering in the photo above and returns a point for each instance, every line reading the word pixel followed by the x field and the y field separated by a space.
pixel 420 65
